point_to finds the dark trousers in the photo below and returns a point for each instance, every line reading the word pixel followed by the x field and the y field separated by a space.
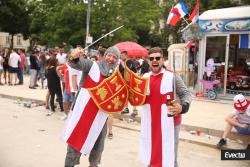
pixel 73 156
pixel 58 93
pixel 20 76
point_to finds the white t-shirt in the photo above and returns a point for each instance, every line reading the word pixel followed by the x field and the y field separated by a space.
pixel 14 59
pixel 78 74
pixel 243 117
pixel 61 58
pixel 1 62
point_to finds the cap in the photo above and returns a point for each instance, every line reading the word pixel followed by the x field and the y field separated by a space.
pixel 241 103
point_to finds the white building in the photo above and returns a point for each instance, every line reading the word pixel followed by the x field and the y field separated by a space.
pixel 18 42
pixel 227 42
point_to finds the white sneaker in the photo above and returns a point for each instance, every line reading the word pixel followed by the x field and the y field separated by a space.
pixel 64 117
pixel 49 113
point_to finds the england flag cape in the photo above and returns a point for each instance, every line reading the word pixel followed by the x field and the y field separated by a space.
pixel 157 129
pixel 67 71
pixel 85 121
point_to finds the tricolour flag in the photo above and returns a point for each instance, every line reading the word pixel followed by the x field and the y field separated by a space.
pixel 244 41
pixel 195 14
pixel 176 13
pixel 173 17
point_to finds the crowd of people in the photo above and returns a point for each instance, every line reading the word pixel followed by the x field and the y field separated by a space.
pixel 12 65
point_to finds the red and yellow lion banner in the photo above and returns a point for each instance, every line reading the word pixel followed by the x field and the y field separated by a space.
pixel 111 95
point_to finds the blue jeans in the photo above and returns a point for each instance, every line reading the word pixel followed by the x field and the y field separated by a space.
pixel 42 77
pixel 244 131
pixel 20 76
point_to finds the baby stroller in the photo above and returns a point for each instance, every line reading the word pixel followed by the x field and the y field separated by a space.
pixel 209 88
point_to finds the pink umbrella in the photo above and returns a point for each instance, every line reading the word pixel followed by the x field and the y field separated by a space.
pixel 133 49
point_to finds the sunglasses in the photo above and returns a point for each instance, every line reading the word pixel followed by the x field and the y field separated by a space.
pixel 155 58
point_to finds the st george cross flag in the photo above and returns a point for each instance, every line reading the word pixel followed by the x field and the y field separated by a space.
pixel 67 74
pixel 157 129
pixel 244 41
pixel 195 14
pixel 85 122
pixel 176 13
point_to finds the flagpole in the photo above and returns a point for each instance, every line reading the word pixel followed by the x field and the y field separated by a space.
pixel 186 21
pixel 186 26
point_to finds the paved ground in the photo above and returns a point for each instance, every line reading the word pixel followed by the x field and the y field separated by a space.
pixel 28 138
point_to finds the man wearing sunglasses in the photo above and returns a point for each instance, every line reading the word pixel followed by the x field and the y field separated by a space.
pixel 159 130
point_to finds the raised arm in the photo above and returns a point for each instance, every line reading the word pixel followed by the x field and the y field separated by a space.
pixel 78 62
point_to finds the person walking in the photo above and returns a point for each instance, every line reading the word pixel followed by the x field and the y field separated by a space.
pixel 158 136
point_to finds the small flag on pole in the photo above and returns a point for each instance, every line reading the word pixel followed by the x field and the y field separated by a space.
pixel 189 43
pixel 173 17
pixel 176 13
pixel 195 14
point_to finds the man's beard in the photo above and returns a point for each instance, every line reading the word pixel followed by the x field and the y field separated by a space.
pixel 105 68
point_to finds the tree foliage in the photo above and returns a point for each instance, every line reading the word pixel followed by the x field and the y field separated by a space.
pixel 53 22
pixel 64 21
pixel 14 17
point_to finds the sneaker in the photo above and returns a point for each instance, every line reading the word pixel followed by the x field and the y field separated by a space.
pixel 110 135
pixel 64 117
pixel 49 113
pixel 134 114
pixel 125 111
pixel 130 120
pixel 221 143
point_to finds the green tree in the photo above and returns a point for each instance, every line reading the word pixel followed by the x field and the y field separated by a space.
pixel 136 16
pixel 65 21
pixel 14 17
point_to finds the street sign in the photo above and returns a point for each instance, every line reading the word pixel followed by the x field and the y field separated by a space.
pixel 89 39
